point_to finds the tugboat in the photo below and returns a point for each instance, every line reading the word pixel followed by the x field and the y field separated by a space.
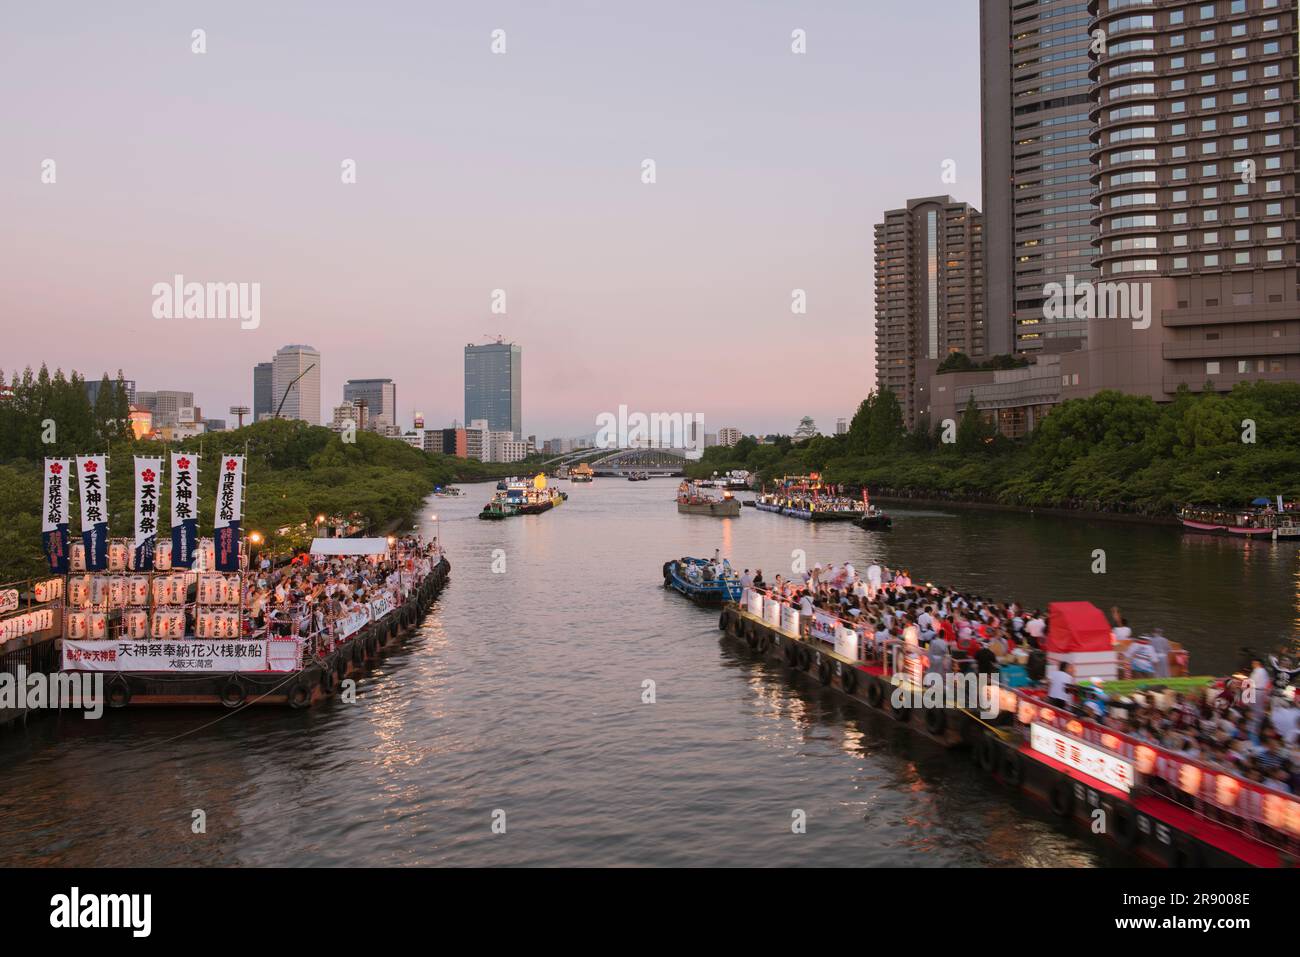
pixel 638 477
pixel 581 473
pixel 875 519
pixel 694 578
pixel 523 498
pixel 691 501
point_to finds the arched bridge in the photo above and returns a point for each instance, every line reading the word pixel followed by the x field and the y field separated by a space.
pixel 657 462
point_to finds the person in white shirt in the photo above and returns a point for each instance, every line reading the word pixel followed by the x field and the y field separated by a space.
pixel 1058 685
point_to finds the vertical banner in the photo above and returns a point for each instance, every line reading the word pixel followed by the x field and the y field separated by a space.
pixel 54 520
pixel 92 481
pixel 185 516
pixel 230 507
pixel 148 478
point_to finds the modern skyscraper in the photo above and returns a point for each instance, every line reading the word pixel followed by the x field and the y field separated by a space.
pixel 929 295
pixel 1195 167
pixel 493 386
pixel 92 388
pixel 1034 101
pixel 295 381
pixel 169 406
pixel 379 395
pixel 263 375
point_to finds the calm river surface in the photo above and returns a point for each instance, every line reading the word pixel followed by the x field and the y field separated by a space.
pixel 523 690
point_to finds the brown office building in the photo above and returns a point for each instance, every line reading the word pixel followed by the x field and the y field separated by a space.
pixel 1194 160
pixel 1034 104
pixel 929 295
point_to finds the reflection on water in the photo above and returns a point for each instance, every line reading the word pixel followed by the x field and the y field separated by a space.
pixel 522 693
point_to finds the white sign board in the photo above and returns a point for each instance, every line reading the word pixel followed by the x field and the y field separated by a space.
pixel 1108 768
pixel 187 655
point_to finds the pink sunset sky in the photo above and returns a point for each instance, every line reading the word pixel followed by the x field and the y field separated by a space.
pixel 478 171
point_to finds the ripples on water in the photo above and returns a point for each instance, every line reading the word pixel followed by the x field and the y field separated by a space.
pixel 522 692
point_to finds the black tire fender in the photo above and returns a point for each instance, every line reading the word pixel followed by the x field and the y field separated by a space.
pixel 936 721
pixel 1062 798
pixel 233 692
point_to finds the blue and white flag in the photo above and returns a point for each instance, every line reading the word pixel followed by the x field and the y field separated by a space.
pixel 54 516
pixel 148 479
pixel 92 481
pixel 185 513
pixel 230 512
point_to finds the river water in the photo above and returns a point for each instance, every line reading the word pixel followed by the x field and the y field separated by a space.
pixel 521 700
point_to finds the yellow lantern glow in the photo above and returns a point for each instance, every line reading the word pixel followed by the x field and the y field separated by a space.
pixel 1275 810
pixel 1189 778
pixel 1047 714
pixel 1226 788
pixel 1146 759
pixel 1075 728
pixel 1110 742
pixel 1027 712
pixel 1008 700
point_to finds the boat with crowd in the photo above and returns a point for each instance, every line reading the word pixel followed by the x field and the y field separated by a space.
pixel 693 500
pixel 702 581
pixel 521 497
pixel 807 498
pixel 1110 745
pixel 287 635
pixel 1258 520
pixel 580 473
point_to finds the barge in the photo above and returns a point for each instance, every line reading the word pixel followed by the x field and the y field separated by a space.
pixel 1157 806
pixel 691 501
pixel 807 498
pixel 522 498
pixel 238 669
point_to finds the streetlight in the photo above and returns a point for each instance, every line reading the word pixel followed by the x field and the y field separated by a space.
pixel 254 540
pixel 437 533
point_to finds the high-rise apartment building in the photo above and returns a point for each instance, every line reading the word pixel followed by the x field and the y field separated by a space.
pixel 493 386
pixel 1194 153
pixel 379 396
pixel 1035 148
pixel 929 295
pixel 728 436
pixel 262 387
pixel 295 381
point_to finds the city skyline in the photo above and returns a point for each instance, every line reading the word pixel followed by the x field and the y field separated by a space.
pixel 606 278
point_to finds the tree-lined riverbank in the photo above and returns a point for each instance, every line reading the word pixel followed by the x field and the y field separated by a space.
pixel 1112 453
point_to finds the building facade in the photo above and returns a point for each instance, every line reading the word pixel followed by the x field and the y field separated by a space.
pixel 263 374
pixel 1036 150
pixel 295 382
pixel 1194 165
pixel 379 396
pixel 929 295
pixel 728 436
pixel 493 386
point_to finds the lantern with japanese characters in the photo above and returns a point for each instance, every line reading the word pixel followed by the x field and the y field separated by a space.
pixel 49 590
pixel 118 592
pixel 79 591
pixel 162 557
pixel 137 590
pixel 136 623
pixel 118 556
pixel 77 557
pixel 77 625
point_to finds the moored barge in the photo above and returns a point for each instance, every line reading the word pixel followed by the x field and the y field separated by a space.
pixel 1159 806
pixel 692 501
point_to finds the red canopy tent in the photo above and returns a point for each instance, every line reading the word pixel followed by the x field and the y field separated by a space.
pixel 1077 626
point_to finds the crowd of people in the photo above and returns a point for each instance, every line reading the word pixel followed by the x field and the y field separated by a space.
pixel 1250 728
pixel 308 596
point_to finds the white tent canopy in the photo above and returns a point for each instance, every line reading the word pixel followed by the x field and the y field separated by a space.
pixel 349 546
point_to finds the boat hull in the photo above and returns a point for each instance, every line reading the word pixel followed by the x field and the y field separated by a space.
pixel 1207 528
pixel 875 522
pixel 725 509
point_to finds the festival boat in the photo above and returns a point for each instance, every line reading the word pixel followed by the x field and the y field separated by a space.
pixel 735 480
pixel 581 472
pixel 450 491
pixel 172 636
pixel 692 578
pixel 1159 805
pixel 1259 520
pixel 692 501
pixel 807 498
pixel 638 477
pixel 521 497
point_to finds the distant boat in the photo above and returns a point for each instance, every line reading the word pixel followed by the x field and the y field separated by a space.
pixel 581 473
pixel 691 501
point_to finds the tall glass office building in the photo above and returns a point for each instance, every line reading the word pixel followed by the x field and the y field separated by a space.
pixel 492 386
